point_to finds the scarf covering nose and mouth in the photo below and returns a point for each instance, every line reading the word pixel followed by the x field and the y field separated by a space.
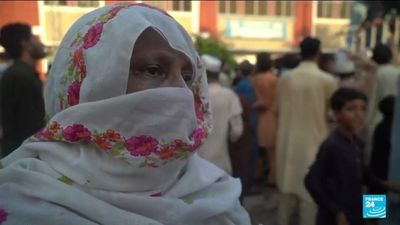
pixel 107 157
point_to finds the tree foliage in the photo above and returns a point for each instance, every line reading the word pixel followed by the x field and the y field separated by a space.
pixel 215 48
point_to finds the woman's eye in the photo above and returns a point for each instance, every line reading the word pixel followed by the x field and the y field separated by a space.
pixel 187 77
pixel 154 72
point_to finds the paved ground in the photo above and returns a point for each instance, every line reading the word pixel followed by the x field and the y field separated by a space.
pixel 263 208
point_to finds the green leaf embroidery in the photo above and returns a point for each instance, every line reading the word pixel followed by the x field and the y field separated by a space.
pixel 91 21
pixel 115 151
pixel 188 201
pixel 104 18
pixel 77 75
pixel 46 117
pixel 66 180
pixel 152 158
pixel 58 137
pixel 119 145
pixel 65 104
pixel 142 164
pixel 64 80
pixel 61 96
pixel 70 70
pixel 79 41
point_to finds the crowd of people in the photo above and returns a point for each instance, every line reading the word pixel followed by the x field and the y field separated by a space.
pixel 135 127
pixel 305 116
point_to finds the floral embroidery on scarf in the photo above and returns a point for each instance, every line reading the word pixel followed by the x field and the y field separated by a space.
pixel 153 151
pixel 76 71
pixel 73 93
pixel 142 145
pixel 76 132
pixel 92 36
pixel 3 216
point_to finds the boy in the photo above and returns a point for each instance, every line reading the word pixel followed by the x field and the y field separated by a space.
pixel 335 180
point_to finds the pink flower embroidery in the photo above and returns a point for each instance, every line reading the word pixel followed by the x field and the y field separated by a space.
pixel 112 135
pixel 73 93
pixel 48 134
pixel 198 135
pixel 179 144
pixel 102 143
pixel 198 108
pixel 167 152
pixel 92 36
pixel 142 145
pixel 79 62
pixel 3 216
pixel 54 126
pixel 114 11
pixel 76 132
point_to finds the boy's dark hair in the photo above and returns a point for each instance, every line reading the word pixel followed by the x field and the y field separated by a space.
pixel 344 95
pixel 246 68
pixel 386 106
pixel 309 47
pixel 382 54
pixel 264 62
pixel 11 37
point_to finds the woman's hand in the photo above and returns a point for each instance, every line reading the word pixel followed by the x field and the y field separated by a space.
pixel 341 219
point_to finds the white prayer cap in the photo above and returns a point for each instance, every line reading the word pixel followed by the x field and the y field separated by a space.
pixel 343 65
pixel 212 63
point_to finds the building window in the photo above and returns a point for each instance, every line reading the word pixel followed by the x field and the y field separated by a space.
pixel 249 7
pixel 228 7
pixel 182 6
pixel 268 8
pixel 55 3
pixel 73 3
pixel 263 8
pixel 157 4
pixel 284 8
pixel 334 9
pixel 88 3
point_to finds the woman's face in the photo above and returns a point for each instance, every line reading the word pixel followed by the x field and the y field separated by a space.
pixel 154 64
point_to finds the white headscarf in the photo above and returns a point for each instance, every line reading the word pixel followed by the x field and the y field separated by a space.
pixel 107 157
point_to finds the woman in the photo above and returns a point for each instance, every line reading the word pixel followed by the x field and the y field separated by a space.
pixel 128 102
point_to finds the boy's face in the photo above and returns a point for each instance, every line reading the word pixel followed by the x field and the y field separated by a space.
pixel 352 115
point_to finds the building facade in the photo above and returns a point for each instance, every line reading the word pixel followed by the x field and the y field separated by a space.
pixel 247 27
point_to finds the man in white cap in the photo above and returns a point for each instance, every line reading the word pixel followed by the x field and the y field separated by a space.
pixel 345 70
pixel 226 111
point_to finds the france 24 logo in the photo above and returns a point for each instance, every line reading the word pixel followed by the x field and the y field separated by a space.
pixel 374 206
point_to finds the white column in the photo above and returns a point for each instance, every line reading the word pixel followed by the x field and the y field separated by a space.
pixel 314 17
pixel 195 17
pixel 40 30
